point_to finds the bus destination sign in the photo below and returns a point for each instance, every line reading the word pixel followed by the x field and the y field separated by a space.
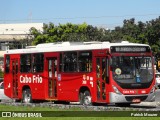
pixel 133 49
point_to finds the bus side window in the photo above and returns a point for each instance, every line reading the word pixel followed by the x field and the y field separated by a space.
pixel 85 61
pixel 25 63
pixel 7 64
pixel 70 61
pixel 38 62
pixel 75 61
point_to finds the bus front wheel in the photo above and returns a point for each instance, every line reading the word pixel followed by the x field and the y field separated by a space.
pixel 26 96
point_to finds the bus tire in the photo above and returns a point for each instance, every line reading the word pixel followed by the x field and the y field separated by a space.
pixel 87 98
pixel 81 98
pixel 26 96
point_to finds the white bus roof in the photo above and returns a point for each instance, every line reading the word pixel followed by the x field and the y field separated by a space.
pixel 71 46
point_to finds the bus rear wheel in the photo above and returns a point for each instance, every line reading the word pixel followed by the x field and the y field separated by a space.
pixel 85 98
pixel 81 97
pixel 26 96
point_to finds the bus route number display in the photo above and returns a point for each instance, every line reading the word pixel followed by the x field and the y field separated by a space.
pixel 130 49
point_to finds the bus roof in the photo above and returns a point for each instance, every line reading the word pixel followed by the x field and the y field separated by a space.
pixel 70 46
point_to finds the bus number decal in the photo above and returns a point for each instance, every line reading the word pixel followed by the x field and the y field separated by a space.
pixel 84 82
pixel 91 84
pixel 87 78
pixel 33 79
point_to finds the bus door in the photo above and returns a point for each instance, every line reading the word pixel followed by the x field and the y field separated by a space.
pixel 14 83
pixel 101 75
pixel 52 77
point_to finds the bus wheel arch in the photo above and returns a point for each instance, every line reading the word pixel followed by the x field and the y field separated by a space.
pixel 26 94
pixel 85 96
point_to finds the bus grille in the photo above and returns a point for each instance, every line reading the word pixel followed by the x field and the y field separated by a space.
pixel 130 98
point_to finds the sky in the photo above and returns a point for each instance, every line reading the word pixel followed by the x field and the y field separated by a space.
pixel 103 13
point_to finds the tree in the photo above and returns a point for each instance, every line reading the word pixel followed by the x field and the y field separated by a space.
pixel 145 33
pixel 67 32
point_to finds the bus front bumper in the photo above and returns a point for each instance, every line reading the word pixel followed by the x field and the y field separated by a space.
pixel 120 98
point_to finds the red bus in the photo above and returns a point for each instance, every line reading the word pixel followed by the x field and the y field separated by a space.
pixel 87 72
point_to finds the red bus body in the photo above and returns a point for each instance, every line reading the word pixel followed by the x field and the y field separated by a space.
pixel 66 71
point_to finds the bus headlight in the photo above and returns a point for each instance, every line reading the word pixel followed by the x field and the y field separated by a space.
pixel 153 89
pixel 116 89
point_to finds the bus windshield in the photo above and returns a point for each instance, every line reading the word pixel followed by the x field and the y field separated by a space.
pixel 130 69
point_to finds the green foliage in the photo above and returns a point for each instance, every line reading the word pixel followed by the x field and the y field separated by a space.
pixel 1 73
pixel 145 33
pixel 68 32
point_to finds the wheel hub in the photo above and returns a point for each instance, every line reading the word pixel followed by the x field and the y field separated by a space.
pixel 87 100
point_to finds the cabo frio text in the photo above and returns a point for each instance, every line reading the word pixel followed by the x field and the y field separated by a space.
pixel 33 79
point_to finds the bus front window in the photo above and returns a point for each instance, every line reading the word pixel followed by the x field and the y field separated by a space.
pixel 130 70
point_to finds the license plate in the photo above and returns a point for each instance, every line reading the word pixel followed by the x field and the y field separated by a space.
pixel 136 100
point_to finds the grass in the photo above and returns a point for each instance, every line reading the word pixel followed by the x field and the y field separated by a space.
pixel 24 109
